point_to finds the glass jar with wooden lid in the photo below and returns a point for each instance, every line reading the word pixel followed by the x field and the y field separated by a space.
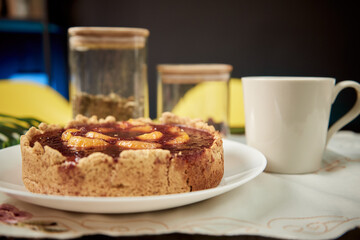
pixel 108 67
pixel 195 91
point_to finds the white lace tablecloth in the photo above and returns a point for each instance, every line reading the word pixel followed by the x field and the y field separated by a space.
pixel 322 205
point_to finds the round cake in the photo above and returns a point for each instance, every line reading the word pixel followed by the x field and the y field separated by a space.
pixel 138 157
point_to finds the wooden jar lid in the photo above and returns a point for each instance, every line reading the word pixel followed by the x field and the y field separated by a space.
pixel 83 38
pixel 194 68
pixel 108 31
pixel 193 73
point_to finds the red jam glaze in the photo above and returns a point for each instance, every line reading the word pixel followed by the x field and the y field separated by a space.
pixel 199 140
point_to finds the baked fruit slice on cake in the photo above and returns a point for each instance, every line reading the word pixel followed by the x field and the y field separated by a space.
pixel 91 157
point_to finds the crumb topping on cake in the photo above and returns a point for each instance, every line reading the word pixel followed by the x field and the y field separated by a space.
pixel 112 138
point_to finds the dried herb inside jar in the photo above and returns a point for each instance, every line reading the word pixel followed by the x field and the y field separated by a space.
pixel 104 105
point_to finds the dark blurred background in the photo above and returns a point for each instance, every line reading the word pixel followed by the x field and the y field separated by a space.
pixel 258 37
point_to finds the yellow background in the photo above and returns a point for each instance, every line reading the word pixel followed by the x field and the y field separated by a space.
pixel 26 99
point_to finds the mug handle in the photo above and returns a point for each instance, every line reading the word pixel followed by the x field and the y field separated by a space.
pixel 351 114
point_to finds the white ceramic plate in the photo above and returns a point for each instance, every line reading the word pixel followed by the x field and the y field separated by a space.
pixel 242 163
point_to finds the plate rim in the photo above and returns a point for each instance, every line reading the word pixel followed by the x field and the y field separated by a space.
pixel 221 189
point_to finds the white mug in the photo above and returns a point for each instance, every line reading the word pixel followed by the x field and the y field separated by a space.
pixel 287 119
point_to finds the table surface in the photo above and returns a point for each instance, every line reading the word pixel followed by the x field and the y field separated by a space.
pixel 348 218
pixel 350 235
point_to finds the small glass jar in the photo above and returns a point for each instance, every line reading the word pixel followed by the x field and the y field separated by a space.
pixel 108 67
pixel 195 91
